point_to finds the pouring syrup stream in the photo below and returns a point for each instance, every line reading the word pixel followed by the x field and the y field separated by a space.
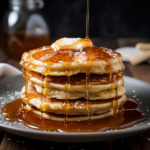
pixel 87 19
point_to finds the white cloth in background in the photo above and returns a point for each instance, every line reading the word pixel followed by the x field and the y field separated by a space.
pixel 129 52
pixel 8 70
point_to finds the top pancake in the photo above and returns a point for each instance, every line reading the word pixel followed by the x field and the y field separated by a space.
pixel 97 60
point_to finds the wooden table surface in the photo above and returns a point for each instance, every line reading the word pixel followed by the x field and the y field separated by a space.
pixel 139 142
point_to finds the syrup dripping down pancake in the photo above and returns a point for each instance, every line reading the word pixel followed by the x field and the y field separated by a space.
pixel 70 118
pixel 48 62
pixel 60 94
pixel 98 82
pixel 77 106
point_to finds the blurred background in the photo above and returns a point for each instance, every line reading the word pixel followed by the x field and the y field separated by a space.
pixel 108 18
pixel 28 24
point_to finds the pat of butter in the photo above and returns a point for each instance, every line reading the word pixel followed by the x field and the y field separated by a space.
pixel 72 43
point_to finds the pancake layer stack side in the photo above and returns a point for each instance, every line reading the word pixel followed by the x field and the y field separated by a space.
pixel 79 85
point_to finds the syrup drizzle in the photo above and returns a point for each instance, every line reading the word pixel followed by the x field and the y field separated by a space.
pixel 87 19
pixel 87 86
pixel 25 77
pixel 66 104
pixel 114 85
pixel 67 66
pixel 44 92
pixel 26 87
pixel 115 102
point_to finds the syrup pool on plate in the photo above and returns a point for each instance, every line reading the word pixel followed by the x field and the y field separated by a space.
pixel 128 115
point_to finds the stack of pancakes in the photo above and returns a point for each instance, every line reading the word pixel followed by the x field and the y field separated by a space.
pixel 73 79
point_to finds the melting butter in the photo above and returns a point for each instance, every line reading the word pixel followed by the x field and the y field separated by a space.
pixel 72 43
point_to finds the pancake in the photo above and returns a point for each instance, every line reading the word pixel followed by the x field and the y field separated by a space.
pixel 49 62
pixel 77 82
pixel 73 79
pixel 60 94
pixel 78 88
pixel 54 117
pixel 77 107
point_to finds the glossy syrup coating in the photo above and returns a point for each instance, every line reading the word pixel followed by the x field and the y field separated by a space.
pixel 93 53
pixel 70 61
pixel 78 79
pixel 129 115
